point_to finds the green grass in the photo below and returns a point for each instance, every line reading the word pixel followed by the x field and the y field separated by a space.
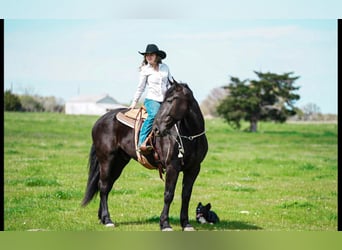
pixel 283 178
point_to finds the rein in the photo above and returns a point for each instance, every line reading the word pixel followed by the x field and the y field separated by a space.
pixel 141 158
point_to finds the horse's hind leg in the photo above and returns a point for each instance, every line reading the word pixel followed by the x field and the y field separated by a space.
pixel 110 170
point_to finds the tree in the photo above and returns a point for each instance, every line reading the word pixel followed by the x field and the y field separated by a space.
pixel 11 102
pixel 31 104
pixel 310 111
pixel 209 105
pixel 271 97
pixel 50 103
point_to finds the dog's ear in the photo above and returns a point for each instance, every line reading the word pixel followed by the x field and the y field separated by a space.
pixel 199 204
pixel 208 206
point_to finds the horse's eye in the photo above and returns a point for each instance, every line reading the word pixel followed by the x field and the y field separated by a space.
pixel 169 100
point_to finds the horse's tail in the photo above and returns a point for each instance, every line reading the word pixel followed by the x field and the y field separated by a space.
pixel 93 177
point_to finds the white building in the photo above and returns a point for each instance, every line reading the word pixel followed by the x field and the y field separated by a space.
pixel 91 105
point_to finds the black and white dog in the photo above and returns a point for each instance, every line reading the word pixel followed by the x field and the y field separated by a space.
pixel 204 215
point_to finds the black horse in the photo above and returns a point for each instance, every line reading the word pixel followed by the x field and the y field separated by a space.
pixel 180 148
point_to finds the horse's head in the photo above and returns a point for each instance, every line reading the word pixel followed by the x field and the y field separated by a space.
pixel 174 108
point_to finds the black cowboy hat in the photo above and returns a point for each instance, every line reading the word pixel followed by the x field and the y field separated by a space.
pixel 152 48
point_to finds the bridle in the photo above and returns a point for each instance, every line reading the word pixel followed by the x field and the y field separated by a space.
pixel 192 137
pixel 180 141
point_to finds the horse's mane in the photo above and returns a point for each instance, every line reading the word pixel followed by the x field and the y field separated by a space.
pixel 185 87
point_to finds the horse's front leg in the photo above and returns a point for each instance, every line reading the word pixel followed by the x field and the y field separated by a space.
pixel 188 182
pixel 170 186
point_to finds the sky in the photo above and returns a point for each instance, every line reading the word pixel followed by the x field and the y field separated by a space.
pixel 66 55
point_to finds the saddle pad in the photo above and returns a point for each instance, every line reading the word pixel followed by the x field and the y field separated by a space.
pixel 125 120
pixel 128 118
pixel 132 113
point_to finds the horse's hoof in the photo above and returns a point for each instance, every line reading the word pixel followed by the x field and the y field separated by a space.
pixel 167 229
pixel 189 229
pixel 109 225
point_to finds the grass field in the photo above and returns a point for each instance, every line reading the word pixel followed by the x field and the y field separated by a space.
pixel 283 178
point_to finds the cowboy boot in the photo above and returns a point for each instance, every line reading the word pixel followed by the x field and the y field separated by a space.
pixel 146 147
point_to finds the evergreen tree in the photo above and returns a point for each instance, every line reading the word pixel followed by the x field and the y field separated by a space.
pixel 11 102
pixel 271 97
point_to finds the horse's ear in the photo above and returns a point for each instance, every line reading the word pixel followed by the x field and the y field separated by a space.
pixel 176 84
pixel 173 82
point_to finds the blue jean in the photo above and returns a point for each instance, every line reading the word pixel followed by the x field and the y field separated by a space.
pixel 152 108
